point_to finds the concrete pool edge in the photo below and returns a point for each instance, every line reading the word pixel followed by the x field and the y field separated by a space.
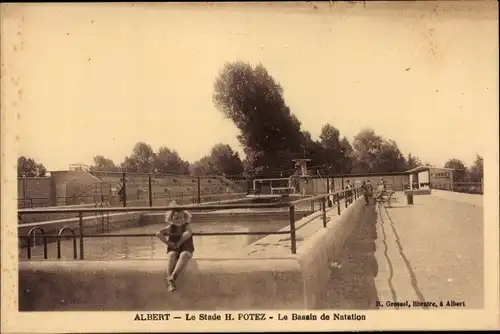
pixel 275 281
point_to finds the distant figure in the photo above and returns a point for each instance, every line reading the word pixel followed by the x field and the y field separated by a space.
pixel 380 191
pixel 121 193
pixel 369 185
pixel 382 183
pixel 180 246
pixel 367 190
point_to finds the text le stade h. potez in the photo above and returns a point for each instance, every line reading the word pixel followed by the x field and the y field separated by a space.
pixel 249 317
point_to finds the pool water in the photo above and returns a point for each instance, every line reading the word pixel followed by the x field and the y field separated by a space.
pixel 116 248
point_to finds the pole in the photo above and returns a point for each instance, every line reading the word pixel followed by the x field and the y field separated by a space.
pixel 198 189
pixel 25 187
pixel 80 216
pixel 292 229
pixel 124 189
pixel 323 207
pixel 330 204
pixel 342 175
pixel 150 190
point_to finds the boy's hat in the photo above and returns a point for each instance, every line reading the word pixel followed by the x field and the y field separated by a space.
pixel 174 204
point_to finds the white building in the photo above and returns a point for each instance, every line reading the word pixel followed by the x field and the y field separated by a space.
pixel 423 177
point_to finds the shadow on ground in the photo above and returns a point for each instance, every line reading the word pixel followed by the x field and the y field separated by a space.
pixel 352 286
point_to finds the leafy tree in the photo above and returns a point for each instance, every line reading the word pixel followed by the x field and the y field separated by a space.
pixel 30 168
pixel 390 158
pixel 141 160
pixel 169 162
pixel 375 154
pixel 337 151
pixel 476 170
pixel 413 161
pixel 366 146
pixel 460 171
pixel 201 167
pixel 222 160
pixel 252 99
pixel 226 160
pixel 104 164
pixel 348 156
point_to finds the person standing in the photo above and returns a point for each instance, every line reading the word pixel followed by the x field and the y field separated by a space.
pixel 365 188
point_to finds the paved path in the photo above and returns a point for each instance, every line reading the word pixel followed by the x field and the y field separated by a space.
pixel 430 251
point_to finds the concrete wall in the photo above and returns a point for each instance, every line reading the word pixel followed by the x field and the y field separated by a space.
pixel 283 281
pixel 323 248
pixel 39 189
pixel 236 284
pixel 53 190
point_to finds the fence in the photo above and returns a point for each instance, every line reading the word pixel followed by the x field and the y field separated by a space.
pixel 37 202
pixel 138 189
pixel 465 187
pixel 321 202
pixel 128 188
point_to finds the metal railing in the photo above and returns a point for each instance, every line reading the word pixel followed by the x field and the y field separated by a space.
pixel 36 202
pixel 324 200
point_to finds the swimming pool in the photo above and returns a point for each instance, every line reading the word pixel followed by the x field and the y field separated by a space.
pixel 232 220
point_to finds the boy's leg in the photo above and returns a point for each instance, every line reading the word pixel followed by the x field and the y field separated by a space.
pixel 181 263
pixel 172 262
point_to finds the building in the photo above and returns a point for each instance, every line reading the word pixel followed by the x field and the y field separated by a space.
pixel 425 177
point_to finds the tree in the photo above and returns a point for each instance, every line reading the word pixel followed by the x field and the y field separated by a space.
pixel 104 164
pixel 413 161
pixel 169 162
pixel 30 168
pixel 366 145
pixel 201 167
pixel 337 151
pixel 141 160
pixel 252 99
pixel 460 171
pixel 348 156
pixel 375 154
pixel 390 158
pixel 225 160
pixel 476 170
pixel 222 160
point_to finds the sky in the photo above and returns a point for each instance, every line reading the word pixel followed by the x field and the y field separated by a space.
pixel 95 79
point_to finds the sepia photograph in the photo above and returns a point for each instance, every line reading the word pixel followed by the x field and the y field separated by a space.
pixel 293 165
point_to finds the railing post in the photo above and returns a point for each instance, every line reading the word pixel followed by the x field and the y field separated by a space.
pixel 29 247
pixel 323 207
pixel 292 229
pixel 80 216
pixel 198 185
pixel 338 204
pixel 329 201
pixel 150 190
pixel 45 251
pixel 124 189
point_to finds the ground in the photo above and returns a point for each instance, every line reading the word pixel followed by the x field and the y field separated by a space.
pixel 429 251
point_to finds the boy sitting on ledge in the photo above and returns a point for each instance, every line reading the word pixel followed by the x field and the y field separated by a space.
pixel 180 246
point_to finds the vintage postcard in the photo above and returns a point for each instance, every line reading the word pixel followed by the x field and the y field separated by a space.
pixel 296 166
